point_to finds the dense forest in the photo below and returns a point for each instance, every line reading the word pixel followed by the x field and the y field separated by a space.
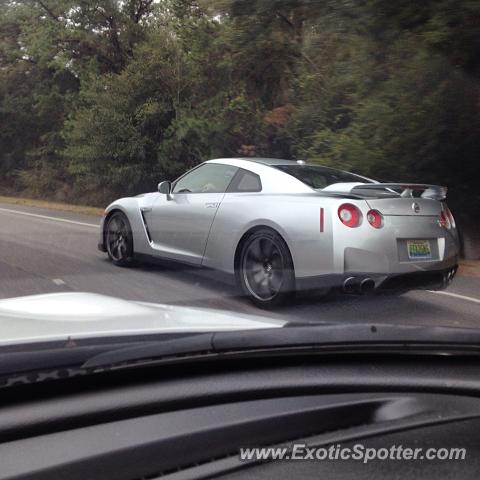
pixel 100 98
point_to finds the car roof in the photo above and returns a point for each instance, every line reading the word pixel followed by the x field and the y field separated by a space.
pixel 264 161
pixel 242 162
pixel 270 161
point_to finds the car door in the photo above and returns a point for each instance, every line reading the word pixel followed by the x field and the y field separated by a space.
pixel 181 222
pixel 238 207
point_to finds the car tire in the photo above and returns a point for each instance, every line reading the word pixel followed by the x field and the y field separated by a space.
pixel 119 240
pixel 265 270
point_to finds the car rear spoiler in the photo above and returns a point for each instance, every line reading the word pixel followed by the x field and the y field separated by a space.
pixel 435 192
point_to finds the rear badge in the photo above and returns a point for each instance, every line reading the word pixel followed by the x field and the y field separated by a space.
pixel 415 207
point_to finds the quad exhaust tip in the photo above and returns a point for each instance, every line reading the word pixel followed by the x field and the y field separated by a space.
pixel 367 285
pixel 350 285
pixel 358 285
pixel 448 277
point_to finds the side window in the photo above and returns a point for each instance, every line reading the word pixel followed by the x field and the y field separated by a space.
pixel 208 178
pixel 246 181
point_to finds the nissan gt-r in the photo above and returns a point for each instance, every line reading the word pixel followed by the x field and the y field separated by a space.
pixel 280 226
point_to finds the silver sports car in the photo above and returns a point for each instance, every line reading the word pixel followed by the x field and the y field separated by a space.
pixel 280 226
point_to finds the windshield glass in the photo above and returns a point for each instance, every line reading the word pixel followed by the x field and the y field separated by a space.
pixel 151 179
pixel 320 177
pixel 229 227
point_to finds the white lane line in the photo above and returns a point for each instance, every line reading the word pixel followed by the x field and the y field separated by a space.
pixel 456 295
pixel 58 281
pixel 46 217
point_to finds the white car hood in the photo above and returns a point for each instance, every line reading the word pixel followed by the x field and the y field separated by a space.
pixel 64 316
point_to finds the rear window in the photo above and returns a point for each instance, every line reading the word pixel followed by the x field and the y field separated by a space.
pixel 319 177
pixel 245 181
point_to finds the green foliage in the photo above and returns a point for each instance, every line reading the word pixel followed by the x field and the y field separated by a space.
pixel 106 98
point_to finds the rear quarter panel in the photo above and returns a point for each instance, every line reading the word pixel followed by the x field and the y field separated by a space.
pixel 296 217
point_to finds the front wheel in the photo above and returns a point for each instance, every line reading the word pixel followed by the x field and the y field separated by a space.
pixel 119 240
pixel 266 269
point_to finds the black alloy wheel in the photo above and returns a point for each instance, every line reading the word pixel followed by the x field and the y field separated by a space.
pixel 119 240
pixel 266 269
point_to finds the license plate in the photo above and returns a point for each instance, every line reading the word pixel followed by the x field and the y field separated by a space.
pixel 419 249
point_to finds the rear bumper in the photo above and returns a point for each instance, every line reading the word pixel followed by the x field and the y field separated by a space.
pixel 426 279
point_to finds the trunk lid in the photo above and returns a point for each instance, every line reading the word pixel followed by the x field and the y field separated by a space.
pixel 405 206
pixel 403 199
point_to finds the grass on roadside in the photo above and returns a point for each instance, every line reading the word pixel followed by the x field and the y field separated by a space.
pixel 65 207
pixel 469 268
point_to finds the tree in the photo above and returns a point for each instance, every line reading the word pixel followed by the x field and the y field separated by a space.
pixel 104 98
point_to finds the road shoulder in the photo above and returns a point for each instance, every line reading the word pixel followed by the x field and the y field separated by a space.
pixel 47 205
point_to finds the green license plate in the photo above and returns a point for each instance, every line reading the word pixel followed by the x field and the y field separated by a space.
pixel 419 249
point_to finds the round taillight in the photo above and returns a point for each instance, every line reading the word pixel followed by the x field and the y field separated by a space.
pixel 349 215
pixel 375 218
pixel 450 217
pixel 444 220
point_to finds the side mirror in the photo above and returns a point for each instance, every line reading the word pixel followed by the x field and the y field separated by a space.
pixel 165 187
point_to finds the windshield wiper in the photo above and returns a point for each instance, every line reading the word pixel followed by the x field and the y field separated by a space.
pixel 392 339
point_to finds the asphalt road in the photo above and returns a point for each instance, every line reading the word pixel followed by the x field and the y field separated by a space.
pixel 45 251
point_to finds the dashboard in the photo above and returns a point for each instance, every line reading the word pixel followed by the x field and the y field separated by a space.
pixel 190 420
